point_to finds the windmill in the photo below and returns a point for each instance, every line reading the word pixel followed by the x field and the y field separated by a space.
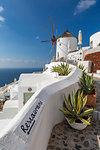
pixel 53 37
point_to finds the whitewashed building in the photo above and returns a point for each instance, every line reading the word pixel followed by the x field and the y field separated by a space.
pixel 95 40
pixel 63 44
pixel 76 56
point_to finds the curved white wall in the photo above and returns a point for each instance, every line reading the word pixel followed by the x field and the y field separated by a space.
pixel 49 100
pixel 95 39
pixel 62 46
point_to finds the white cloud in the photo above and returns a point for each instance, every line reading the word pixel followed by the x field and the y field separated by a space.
pixel 21 63
pixel 2 19
pixel 83 5
pixel 37 38
pixel 1 8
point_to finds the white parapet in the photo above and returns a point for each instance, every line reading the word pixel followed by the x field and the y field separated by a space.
pixel 30 129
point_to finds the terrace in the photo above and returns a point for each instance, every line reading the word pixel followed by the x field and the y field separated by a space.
pixel 63 137
pixel 32 126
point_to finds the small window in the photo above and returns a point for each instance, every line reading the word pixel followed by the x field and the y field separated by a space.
pixel 91 44
pixel 27 96
pixel 58 40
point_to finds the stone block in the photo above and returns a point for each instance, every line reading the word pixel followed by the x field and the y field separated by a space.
pixel 95 115
pixel 98 115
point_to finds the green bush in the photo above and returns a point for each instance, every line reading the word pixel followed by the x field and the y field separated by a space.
pixel 82 67
pixel 1 102
pixel 62 69
pixel 87 84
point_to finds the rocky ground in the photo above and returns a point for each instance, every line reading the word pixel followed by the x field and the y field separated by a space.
pixel 63 137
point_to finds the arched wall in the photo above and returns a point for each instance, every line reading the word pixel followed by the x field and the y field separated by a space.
pixel 47 101
pixel 95 40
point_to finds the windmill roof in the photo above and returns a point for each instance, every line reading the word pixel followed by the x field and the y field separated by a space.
pixel 67 34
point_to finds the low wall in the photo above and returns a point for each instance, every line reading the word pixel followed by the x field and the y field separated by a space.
pixel 31 127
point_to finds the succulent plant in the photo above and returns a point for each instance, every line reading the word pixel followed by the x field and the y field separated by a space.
pixel 82 67
pixel 74 108
pixel 1 102
pixel 87 84
pixel 62 69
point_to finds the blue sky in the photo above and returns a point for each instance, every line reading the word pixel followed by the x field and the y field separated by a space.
pixel 23 25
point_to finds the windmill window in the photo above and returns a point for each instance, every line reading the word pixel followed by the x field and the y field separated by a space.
pixel 91 44
pixel 58 40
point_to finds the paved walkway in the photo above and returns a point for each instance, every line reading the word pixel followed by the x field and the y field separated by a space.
pixel 63 137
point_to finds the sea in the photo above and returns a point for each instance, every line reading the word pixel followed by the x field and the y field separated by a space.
pixel 7 75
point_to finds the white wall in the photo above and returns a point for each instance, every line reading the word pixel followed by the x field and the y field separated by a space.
pixel 96 39
pixel 63 48
pixel 14 92
pixel 12 137
pixel 77 56
pixel 21 92
pixel 37 81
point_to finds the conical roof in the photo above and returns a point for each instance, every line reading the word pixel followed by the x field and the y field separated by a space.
pixel 67 34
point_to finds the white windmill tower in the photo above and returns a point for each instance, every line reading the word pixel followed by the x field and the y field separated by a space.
pixel 69 46
pixel 65 43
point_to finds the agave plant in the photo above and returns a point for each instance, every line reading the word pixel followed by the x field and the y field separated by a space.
pixel 82 67
pixel 74 108
pixel 87 84
pixel 1 102
pixel 62 69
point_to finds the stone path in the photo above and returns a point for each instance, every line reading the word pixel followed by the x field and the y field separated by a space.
pixel 63 137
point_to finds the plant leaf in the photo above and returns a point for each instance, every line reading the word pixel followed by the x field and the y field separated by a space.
pixel 85 121
pixel 72 120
